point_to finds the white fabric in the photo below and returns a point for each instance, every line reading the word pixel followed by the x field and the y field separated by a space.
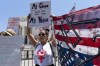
pixel 48 59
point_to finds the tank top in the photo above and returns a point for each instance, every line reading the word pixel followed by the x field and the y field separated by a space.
pixel 43 55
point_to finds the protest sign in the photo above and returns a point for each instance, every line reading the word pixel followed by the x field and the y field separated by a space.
pixel 13 23
pixel 10 54
pixel 40 14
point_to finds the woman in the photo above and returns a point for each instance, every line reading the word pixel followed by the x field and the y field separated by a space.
pixel 43 55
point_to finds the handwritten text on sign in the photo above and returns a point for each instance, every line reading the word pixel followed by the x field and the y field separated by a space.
pixel 40 14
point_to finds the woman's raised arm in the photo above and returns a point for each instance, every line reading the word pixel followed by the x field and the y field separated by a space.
pixel 29 34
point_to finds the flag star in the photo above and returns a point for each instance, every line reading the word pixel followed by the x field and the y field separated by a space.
pixel 72 58
pixel 68 63
pixel 64 56
pixel 85 58
pixel 76 55
pixel 65 64
pixel 67 52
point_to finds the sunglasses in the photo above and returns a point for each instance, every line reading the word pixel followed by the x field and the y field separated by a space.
pixel 42 34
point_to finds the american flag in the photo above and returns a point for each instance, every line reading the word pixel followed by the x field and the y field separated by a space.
pixel 81 33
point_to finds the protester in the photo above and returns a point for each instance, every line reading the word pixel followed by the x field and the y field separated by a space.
pixel 43 54
pixel 8 32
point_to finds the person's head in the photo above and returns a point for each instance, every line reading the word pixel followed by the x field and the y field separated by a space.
pixel 8 32
pixel 11 32
pixel 43 35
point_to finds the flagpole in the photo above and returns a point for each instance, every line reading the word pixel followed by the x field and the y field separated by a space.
pixel 73 9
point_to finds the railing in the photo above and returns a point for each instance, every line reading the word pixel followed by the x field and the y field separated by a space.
pixel 27 58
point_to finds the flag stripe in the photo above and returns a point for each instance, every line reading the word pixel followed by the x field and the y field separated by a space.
pixel 96 61
pixel 80 32
pixel 81 26
pixel 85 41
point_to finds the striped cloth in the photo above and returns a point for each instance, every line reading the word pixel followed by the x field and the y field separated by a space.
pixel 80 33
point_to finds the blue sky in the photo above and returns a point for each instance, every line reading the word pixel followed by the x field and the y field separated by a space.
pixel 18 8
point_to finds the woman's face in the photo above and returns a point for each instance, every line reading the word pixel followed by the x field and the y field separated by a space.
pixel 43 36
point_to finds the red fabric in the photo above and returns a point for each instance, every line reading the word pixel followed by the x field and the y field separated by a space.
pixel 96 61
pixel 85 41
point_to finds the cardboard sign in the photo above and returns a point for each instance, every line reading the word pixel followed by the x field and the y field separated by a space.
pixel 10 54
pixel 40 14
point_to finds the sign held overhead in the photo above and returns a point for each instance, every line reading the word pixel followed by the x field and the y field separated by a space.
pixel 40 14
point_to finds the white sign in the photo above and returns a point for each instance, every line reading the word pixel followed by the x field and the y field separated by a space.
pixel 10 54
pixel 13 24
pixel 40 14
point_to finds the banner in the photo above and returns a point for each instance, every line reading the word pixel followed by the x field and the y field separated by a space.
pixel 10 54
pixel 40 14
